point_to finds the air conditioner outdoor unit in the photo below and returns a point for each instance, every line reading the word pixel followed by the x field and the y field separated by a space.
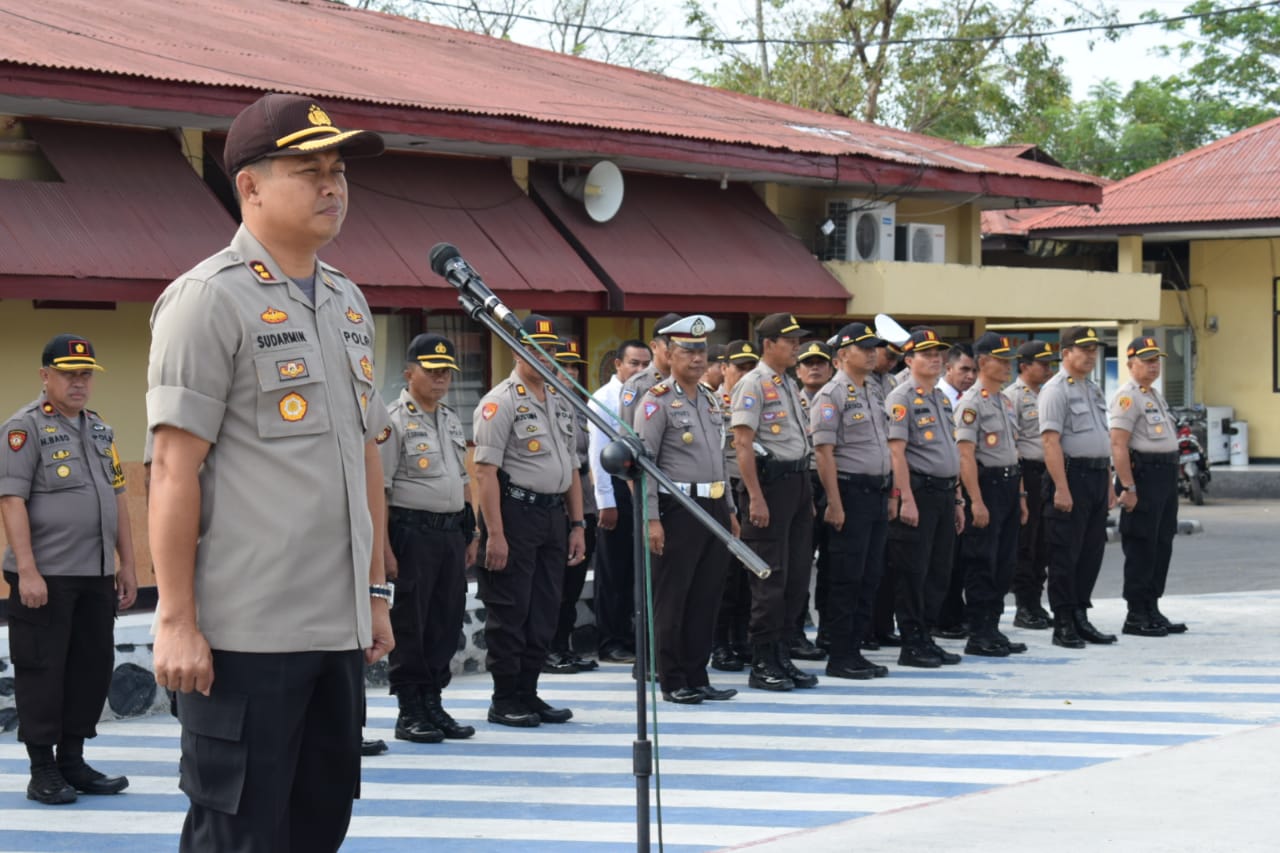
pixel 863 230
pixel 921 243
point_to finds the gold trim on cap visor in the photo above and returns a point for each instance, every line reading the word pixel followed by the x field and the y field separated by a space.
pixel 71 362
pixel 438 361
pixel 328 130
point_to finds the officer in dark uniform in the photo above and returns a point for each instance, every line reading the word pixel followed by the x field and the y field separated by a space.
pixel 431 539
pixel 814 369
pixel 682 426
pixel 777 498
pixel 732 650
pixel 996 501
pixel 851 443
pixel 930 514
pixel 66 519
pixel 530 498
pixel 1077 491
pixel 1035 365
pixel 1144 445
pixel 561 658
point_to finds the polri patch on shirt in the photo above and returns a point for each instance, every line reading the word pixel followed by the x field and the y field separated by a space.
pixel 490 409
pixel 17 439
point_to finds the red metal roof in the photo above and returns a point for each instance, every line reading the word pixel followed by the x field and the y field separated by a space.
pixel 418 73
pixel 128 216
pixel 681 245
pixel 1233 180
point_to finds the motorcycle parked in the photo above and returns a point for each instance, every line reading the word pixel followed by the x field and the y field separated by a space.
pixel 1193 463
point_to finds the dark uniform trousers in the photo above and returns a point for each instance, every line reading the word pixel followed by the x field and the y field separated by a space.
pixel 613 585
pixel 1033 555
pixel 886 602
pixel 522 602
pixel 1076 540
pixel 922 556
pixel 62 657
pixel 1147 533
pixel 786 545
pixel 735 601
pixel 575 578
pixel 988 554
pixel 271 757
pixel 431 595
pixel 687 581
pixel 950 612
pixel 822 562
pixel 856 564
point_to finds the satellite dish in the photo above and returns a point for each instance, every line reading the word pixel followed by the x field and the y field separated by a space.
pixel 888 328
pixel 600 190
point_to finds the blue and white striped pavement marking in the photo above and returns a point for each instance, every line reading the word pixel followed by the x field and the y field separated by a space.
pixel 735 772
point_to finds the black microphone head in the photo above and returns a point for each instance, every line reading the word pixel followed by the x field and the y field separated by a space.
pixel 441 254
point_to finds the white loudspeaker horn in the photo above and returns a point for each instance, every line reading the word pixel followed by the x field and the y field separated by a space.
pixel 600 190
pixel 888 328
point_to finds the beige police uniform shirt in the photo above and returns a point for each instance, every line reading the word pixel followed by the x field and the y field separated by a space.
pixel 853 419
pixel 1026 415
pixel 424 456
pixel 1076 410
pixel 283 391
pixel 633 390
pixel 923 419
pixel 1142 412
pixel 987 420
pixel 685 435
pixel 769 404
pixel 68 472
pixel 533 442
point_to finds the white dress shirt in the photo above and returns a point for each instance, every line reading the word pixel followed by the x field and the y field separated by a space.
pixel 605 401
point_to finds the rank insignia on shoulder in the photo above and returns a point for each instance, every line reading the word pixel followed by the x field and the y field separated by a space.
pixel 47 408
pixel 354 317
pixel 649 409
pixel 520 389
pixel 383 436
pixel 969 415
pixel 413 410
pixel 274 316
pixel 17 438
pixel 776 380
pixel 985 394
pixel 660 389
pixel 628 397
pixel 490 409
pixel 261 271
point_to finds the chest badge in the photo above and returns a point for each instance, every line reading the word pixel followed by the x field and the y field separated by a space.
pixel 293 368
pixel 63 471
pixel 775 429
pixel 928 435
pixel 17 438
pixel 274 316
pixel 366 367
pixel 59 455
pixel 354 317
pixel 424 463
pixel 534 445
pixel 992 439
pixel 687 438
pixel 423 447
pixel 293 407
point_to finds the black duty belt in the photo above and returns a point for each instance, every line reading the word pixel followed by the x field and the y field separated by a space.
pixel 1170 458
pixel 874 482
pixel 424 518
pixel 788 466
pixel 530 497
pixel 942 484
pixel 1033 464
pixel 992 472
pixel 1089 463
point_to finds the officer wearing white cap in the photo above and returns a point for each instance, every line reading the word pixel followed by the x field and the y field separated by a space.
pixel 1144 445
pixel 532 526
pixel 1077 494
pixel 682 426
pixel 62 498
pixel 431 538
pixel 986 439
pixel 851 443
pixel 777 498
pixel 1035 366
pixel 929 512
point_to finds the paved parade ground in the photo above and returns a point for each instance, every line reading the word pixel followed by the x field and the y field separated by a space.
pixel 1150 744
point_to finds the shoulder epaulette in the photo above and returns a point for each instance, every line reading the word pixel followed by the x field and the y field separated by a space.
pixel 659 389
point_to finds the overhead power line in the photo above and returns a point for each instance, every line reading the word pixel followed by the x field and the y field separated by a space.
pixel 1091 28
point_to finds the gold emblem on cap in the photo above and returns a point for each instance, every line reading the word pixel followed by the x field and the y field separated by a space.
pixel 79 348
pixel 698 327
pixel 747 348
pixel 317 116
pixel 1088 333
pixel 441 348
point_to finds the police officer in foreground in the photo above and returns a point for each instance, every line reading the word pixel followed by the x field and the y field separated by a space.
pixel 777 497
pixel 851 443
pixel 66 518
pixel 930 513
pixel 1035 366
pixel 1144 445
pixel 682 426
pixel 431 539
pixel 561 658
pixel 1077 490
pixel 995 499
pixel 532 525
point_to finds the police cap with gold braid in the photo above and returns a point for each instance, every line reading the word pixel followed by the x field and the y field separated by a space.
pixel 278 125
pixel 432 352
pixel 69 352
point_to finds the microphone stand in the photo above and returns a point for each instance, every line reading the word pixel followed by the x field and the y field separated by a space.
pixel 626 459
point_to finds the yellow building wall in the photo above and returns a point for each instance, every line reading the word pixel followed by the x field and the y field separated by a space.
pixel 1233 280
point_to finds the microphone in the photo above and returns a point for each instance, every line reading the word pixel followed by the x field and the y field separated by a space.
pixel 447 262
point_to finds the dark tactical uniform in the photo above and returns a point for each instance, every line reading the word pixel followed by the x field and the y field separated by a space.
pixel 1033 555
pixel 1075 409
pixel 429 527
pixel 1147 533
pixel 532 443
pixel 685 436
pixel 67 473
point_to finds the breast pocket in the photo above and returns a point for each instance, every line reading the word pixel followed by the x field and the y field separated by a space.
pixel 423 457
pixel 1080 420
pixel 291 394
pixel 65 467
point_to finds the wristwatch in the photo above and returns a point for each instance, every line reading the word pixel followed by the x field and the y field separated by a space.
pixel 385 591
pixel 582 522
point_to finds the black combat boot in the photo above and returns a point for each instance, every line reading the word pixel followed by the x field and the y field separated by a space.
pixel 1141 622
pixel 411 724
pixel 47 785
pixel 528 686
pixel 435 714
pixel 81 776
pixel 982 637
pixel 1064 630
pixel 1088 632
pixel 766 674
pixel 506 708
pixel 1171 627
pixel 798 677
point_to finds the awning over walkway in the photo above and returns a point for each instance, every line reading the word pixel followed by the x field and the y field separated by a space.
pixel 683 245
pixel 127 217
